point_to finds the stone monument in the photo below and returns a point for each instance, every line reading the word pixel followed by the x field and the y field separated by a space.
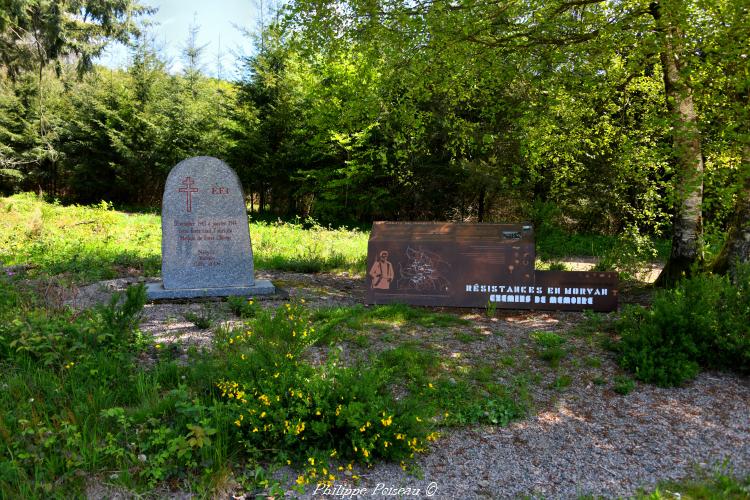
pixel 205 246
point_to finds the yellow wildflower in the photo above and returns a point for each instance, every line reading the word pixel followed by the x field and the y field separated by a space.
pixel 300 427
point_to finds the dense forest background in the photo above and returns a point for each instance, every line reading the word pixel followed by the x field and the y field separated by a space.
pixel 614 117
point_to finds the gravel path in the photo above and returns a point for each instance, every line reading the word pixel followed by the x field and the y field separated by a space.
pixel 590 443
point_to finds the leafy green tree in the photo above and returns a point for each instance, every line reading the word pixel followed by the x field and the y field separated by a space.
pixel 35 34
pixel 590 56
pixel 272 87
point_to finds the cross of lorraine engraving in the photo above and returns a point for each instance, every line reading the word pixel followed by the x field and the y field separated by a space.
pixel 188 190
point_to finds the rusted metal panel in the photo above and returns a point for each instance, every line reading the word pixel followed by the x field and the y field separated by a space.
pixel 471 265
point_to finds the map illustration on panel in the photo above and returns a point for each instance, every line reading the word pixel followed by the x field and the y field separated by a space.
pixel 424 271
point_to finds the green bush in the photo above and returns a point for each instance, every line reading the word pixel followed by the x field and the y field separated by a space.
pixel 703 323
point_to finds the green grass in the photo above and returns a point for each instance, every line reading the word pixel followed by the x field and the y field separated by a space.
pixel 554 243
pixel 84 243
pixel 722 484
pixel 203 320
pixel 562 382
pixel 549 347
pixel 341 321
pixel 623 385
pixel 92 243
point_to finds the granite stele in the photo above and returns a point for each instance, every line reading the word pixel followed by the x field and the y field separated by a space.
pixel 205 245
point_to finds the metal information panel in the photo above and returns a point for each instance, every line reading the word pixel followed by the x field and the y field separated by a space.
pixel 473 265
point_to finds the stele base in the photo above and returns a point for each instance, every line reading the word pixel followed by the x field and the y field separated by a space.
pixel 155 291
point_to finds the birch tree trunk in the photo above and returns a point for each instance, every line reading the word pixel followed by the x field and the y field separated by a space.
pixel 687 237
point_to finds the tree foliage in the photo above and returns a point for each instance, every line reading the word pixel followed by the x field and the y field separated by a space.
pixel 626 116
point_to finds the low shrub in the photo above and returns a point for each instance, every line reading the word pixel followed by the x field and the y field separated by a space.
pixel 702 323
pixel 311 414
pixel 55 338
pixel 623 385
pixel 242 307
pixel 549 347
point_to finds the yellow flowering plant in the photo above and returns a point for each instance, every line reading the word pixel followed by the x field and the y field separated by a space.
pixel 313 414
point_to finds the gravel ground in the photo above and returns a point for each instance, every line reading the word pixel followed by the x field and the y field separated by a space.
pixel 585 440
pixel 591 443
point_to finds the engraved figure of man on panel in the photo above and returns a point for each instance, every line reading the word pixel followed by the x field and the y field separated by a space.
pixel 382 272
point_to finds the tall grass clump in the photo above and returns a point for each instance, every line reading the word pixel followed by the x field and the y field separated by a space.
pixel 702 323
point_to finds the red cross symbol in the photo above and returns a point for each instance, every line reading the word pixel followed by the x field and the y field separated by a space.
pixel 188 190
